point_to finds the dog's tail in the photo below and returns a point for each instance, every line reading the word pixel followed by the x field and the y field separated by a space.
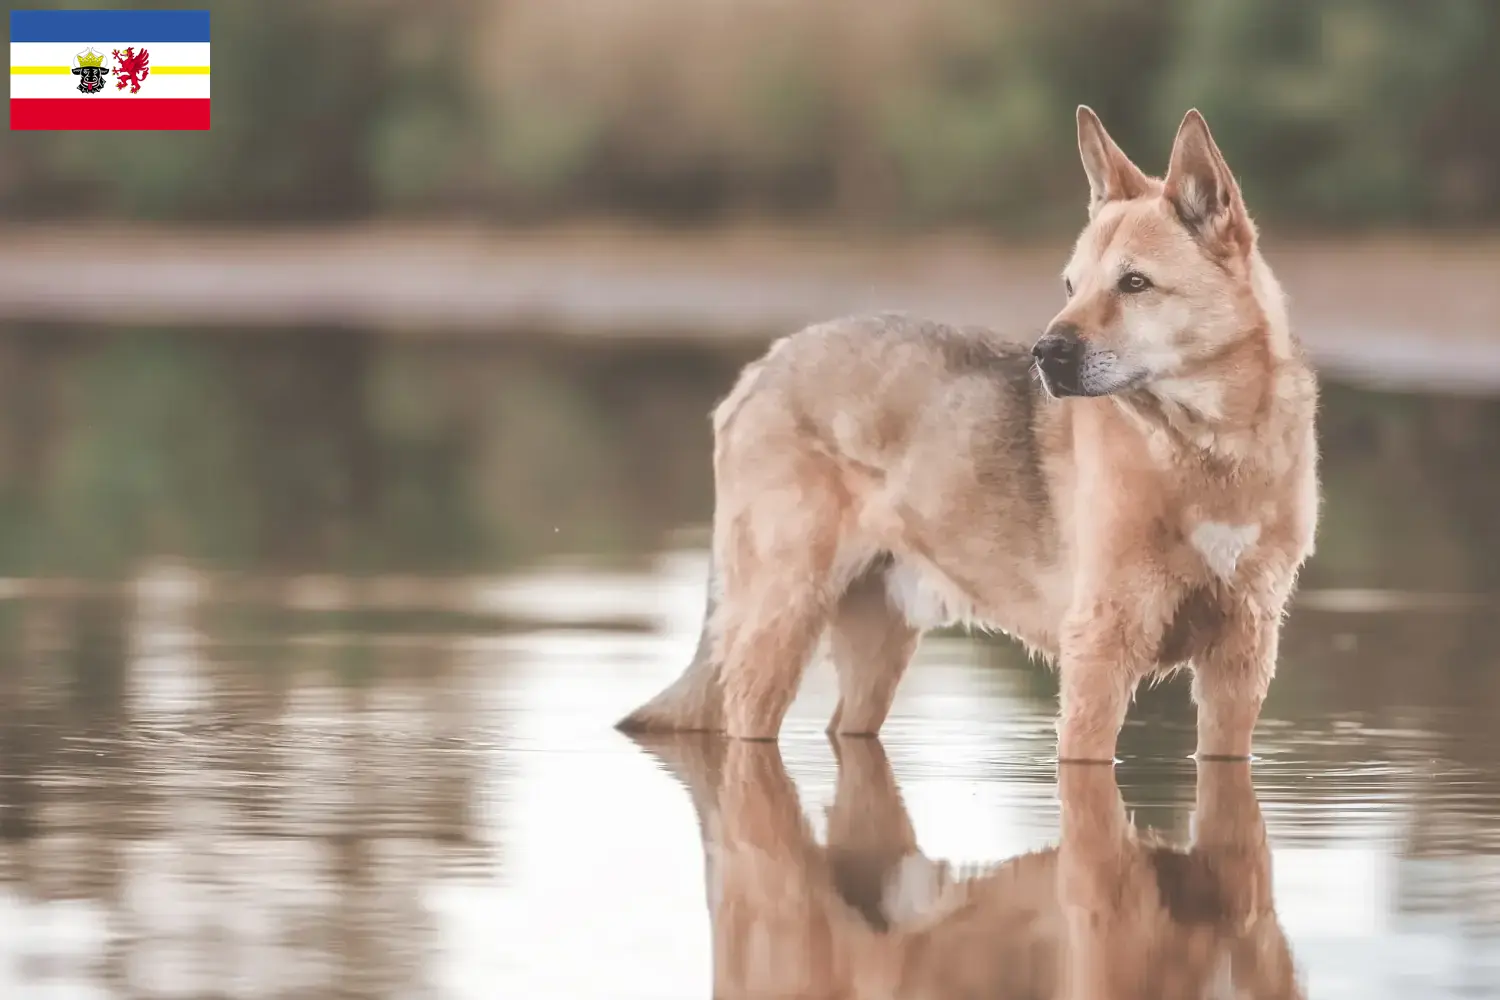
pixel 691 703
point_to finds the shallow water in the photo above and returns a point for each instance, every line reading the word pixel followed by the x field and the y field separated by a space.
pixel 309 661
pixel 301 810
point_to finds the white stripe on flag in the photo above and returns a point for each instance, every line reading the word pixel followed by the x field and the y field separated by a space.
pixel 62 53
pixel 24 86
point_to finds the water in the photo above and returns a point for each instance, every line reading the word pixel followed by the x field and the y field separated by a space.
pixel 311 642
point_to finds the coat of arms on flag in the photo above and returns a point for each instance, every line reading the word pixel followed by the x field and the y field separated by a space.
pixel 109 69
pixel 89 67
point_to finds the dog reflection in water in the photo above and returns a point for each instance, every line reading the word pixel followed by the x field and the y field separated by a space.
pixel 1110 912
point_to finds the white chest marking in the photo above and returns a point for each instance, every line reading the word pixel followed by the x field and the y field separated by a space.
pixel 1222 545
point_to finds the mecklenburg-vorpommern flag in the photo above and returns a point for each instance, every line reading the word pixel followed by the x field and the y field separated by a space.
pixel 109 69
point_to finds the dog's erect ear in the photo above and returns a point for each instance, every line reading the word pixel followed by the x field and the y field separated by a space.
pixel 1201 188
pixel 1112 177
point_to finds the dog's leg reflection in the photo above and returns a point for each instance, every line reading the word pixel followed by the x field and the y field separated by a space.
pixel 791 917
pixel 1232 832
pixel 1145 919
pixel 872 847
pixel 1111 914
pixel 867 915
pixel 781 928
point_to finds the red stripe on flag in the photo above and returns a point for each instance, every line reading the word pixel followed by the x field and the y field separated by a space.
pixel 116 113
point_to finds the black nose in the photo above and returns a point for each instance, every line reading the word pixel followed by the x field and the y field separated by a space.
pixel 1058 355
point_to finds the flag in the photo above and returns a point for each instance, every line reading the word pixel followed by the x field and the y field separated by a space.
pixel 109 69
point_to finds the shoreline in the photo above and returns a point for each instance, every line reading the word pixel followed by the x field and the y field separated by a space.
pixel 1400 312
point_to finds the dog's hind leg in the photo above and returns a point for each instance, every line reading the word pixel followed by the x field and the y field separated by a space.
pixel 871 644
pixel 765 653
pixel 693 702
pixel 778 559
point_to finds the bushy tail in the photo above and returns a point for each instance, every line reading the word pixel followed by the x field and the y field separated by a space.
pixel 693 702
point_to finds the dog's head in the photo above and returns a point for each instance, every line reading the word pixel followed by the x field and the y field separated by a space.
pixel 1162 279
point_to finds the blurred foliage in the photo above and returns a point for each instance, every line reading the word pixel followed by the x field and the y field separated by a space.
pixel 330 450
pixel 1335 113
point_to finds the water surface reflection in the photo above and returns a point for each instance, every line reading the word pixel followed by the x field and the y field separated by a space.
pixel 206 796
pixel 1109 912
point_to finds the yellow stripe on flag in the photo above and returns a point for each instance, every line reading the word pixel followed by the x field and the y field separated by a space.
pixel 155 70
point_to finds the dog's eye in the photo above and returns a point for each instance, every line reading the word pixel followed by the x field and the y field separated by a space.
pixel 1067 288
pixel 1134 281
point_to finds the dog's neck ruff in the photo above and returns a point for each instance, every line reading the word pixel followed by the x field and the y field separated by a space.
pixel 1220 410
pixel 1182 427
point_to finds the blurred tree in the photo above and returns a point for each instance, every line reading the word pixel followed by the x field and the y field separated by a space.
pixel 988 128
pixel 1325 106
pixel 1336 113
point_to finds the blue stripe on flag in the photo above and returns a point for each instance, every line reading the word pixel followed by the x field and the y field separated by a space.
pixel 86 26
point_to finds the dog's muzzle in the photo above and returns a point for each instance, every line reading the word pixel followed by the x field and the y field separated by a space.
pixel 1059 359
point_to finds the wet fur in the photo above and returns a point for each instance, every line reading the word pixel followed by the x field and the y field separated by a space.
pixel 879 476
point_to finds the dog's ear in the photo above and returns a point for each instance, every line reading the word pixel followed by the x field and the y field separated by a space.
pixel 1112 177
pixel 1200 186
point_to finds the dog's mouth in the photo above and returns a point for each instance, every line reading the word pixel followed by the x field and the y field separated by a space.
pixel 1097 373
pixel 1059 385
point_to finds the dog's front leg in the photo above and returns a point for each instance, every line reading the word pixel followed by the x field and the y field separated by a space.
pixel 1108 645
pixel 1230 680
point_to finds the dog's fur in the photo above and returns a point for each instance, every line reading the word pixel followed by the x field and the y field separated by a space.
pixel 1110 913
pixel 879 476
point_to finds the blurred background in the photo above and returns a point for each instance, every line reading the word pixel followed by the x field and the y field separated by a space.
pixel 365 437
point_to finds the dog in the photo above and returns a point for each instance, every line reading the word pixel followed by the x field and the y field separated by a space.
pixel 1109 911
pixel 1134 495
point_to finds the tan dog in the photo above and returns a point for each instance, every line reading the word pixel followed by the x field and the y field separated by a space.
pixel 1108 914
pixel 1136 495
